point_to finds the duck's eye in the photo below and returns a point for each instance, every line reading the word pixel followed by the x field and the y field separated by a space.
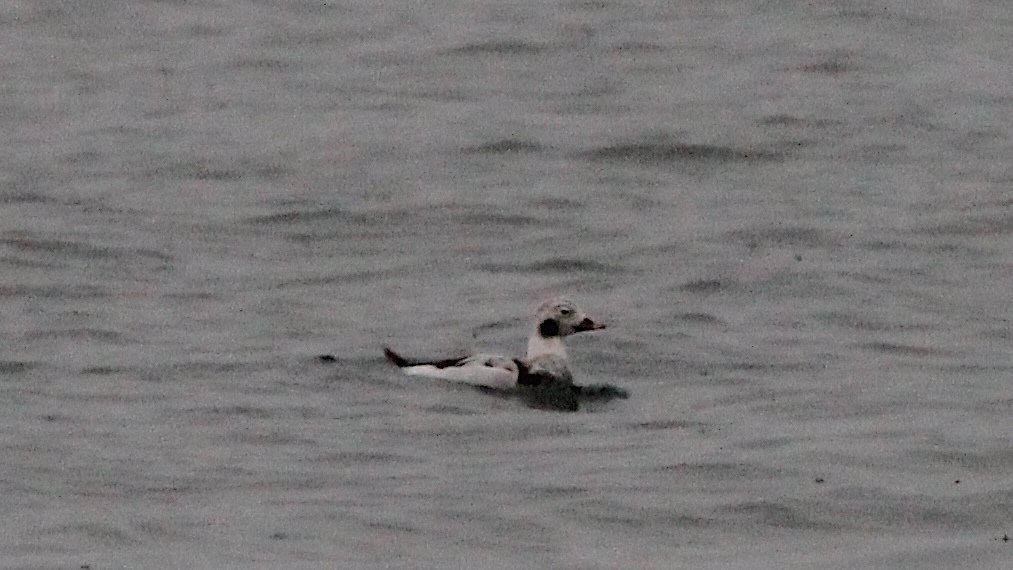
pixel 566 312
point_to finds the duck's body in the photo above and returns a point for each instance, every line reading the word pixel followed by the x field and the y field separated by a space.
pixel 543 378
pixel 489 370
pixel 544 382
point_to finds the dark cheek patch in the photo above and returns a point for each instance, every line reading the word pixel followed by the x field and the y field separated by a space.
pixel 548 328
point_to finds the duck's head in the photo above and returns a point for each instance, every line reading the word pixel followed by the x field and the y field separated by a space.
pixel 562 317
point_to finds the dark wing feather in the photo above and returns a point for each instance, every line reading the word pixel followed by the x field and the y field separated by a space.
pixel 402 362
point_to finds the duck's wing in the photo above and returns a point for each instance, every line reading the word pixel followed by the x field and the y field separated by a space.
pixel 403 362
pixel 488 370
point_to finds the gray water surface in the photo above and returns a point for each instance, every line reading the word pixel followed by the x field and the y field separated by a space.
pixel 796 219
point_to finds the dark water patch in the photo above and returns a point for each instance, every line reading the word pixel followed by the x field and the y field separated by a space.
pixel 668 152
pixel 202 368
pixel 104 534
pixel 358 457
pixel 318 226
pixel 102 370
pixel 662 425
pixel 497 530
pixel 12 367
pixel 904 349
pixel 697 318
pixel 997 334
pixel 971 226
pixel 82 159
pixel 637 47
pixel 826 67
pixel 13 197
pixel 971 368
pixel 305 216
pixel 627 517
pixel 999 202
pixel 787 146
pixel 784 120
pixel 879 153
pixel 831 64
pixel 797 284
pixel 83 250
pixel 232 411
pixel 589 4
pixel 864 323
pixel 898 245
pixel 808 407
pixel 721 471
pixel 495 218
pixel 505 324
pixel 274 437
pixel 192 296
pixel 501 47
pixel 558 265
pixel 443 95
pixel 262 64
pixel 362 276
pixel 197 171
pixel 556 491
pixel 54 292
pixel 451 410
pixel 392 526
pixel 771 366
pixel 214 171
pixel 782 236
pixel 865 507
pixel 59 418
pixel 705 286
pixel 780 515
pixel 560 204
pixel 505 146
pixel 998 460
pixel 874 13
pixel 701 375
pixel 767 443
pixel 866 278
pixel 203 31
pixel 84 333
pixel 25 183
pixel 118 397
pixel 530 431
pixel 453 215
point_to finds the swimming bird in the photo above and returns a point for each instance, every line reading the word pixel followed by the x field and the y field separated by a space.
pixel 543 379
pixel 554 320
pixel 543 382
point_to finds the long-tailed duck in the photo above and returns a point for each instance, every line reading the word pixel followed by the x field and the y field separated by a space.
pixel 542 379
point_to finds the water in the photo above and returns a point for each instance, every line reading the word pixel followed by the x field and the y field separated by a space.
pixel 796 221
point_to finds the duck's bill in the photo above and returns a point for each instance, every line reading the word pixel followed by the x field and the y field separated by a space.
pixel 588 325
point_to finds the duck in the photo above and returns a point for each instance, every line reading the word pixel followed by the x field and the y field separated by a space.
pixel 542 378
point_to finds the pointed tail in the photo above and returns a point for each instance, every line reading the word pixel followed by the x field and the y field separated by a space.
pixel 395 358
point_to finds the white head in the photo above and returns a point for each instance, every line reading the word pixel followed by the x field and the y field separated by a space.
pixel 555 319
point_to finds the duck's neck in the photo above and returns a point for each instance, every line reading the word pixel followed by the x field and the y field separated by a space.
pixel 539 345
